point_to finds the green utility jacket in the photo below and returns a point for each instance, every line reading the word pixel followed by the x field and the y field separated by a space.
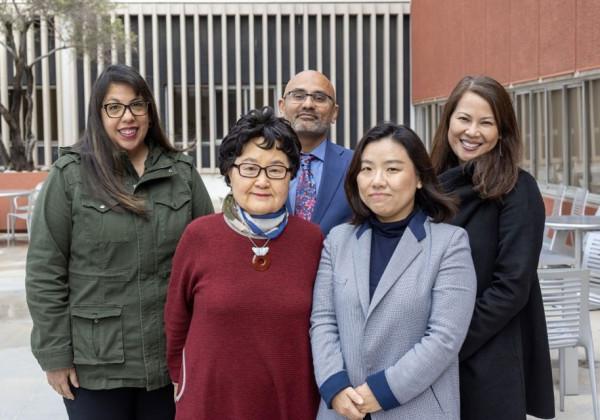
pixel 97 277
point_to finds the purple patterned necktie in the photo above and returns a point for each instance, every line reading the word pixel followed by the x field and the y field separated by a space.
pixel 306 190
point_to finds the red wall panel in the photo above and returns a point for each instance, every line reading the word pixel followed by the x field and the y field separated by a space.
pixel 513 41
pixel 437 29
pixel 497 40
pixel 423 27
pixel 524 40
pixel 587 34
pixel 557 37
pixel 473 26
pixel 451 44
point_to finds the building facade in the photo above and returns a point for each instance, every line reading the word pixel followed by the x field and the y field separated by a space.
pixel 546 52
pixel 210 62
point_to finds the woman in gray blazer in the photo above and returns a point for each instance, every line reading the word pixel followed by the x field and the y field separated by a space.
pixel 395 290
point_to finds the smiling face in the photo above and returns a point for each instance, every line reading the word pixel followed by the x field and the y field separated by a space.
pixel 473 130
pixel 387 181
pixel 310 120
pixel 129 131
pixel 260 195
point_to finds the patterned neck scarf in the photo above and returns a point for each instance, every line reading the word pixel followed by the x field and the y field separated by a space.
pixel 264 226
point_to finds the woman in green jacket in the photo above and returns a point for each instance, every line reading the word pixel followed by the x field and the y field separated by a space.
pixel 104 230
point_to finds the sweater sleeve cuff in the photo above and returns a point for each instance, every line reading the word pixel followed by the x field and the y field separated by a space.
pixel 382 391
pixel 333 385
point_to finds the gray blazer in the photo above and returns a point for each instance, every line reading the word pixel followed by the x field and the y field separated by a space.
pixel 411 330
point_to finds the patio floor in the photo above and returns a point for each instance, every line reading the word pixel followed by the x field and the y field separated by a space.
pixel 26 395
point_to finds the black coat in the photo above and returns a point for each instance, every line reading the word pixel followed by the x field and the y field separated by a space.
pixel 505 367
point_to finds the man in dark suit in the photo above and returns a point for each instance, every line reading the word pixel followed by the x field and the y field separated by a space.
pixel 317 192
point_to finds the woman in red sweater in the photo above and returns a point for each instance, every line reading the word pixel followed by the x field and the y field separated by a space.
pixel 239 298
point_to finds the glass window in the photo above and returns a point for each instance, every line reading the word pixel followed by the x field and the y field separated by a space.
pixel 594 122
pixel 522 109
pixel 556 168
pixel 575 137
pixel 539 135
pixel 421 123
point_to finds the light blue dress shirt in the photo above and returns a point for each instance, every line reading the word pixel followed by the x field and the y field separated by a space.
pixel 316 167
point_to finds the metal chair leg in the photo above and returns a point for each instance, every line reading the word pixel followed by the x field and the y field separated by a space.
pixel 561 377
pixel 589 353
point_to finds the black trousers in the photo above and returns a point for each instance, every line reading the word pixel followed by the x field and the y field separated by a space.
pixel 121 404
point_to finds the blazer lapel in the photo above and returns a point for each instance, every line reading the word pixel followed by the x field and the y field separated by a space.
pixel 332 176
pixel 361 254
pixel 407 250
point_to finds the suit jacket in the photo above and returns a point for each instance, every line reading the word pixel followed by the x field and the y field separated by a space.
pixel 410 333
pixel 505 369
pixel 332 207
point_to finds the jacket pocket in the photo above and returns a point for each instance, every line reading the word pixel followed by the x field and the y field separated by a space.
pixel 97 333
pixel 174 212
pixel 107 223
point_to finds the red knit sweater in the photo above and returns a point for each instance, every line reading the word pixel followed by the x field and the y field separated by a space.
pixel 245 333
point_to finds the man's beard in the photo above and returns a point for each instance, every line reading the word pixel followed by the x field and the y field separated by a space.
pixel 313 130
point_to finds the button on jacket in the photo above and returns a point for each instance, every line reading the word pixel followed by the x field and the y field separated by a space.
pixel 97 275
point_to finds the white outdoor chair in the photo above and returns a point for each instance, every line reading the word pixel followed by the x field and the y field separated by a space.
pixel 21 212
pixel 548 257
pixel 580 197
pixel 557 193
pixel 591 261
pixel 565 294
pixel 559 241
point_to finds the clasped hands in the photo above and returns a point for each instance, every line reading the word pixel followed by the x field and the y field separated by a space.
pixel 355 403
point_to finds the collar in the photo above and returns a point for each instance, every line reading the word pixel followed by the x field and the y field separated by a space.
pixel 319 151
pixel 416 226
pixel 154 153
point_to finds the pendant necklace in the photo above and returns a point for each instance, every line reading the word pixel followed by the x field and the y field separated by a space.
pixel 260 260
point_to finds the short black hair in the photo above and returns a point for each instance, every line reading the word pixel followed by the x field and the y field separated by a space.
pixel 277 132
pixel 430 198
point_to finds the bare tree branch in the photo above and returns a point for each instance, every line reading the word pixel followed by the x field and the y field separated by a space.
pixel 8 49
pixel 17 9
pixel 54 50
pixel 3 152
pixel 9 118
pixel 82 25
pixel 10 40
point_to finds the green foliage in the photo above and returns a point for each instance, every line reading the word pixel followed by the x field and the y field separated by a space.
pixel 82 25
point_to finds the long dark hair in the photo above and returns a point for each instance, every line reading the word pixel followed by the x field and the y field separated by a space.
pixel 495 172
pixel 102 162
pixel 430 198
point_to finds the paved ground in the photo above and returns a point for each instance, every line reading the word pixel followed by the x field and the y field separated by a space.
pixel 24 394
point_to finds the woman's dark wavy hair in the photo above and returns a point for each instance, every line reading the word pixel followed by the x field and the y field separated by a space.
pixel 495 172
pixel 103 163
pixel 277 132
pixel 430 198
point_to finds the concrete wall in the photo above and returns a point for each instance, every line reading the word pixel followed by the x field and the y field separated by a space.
pixel 513 41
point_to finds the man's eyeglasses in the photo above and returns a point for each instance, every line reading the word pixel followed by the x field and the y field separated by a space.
pixel 299 96
pixel 251 170
pixel 117 109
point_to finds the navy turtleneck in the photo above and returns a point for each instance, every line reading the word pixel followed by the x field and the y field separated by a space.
pixel 384 240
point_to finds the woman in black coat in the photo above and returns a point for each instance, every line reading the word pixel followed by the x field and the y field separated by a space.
pixel 505 370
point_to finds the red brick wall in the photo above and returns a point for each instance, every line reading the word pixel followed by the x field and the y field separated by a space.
pixel 511 40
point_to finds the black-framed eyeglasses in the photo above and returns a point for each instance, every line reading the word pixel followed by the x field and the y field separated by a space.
pixel 299 96
pixel 117 109
pixel 252 170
